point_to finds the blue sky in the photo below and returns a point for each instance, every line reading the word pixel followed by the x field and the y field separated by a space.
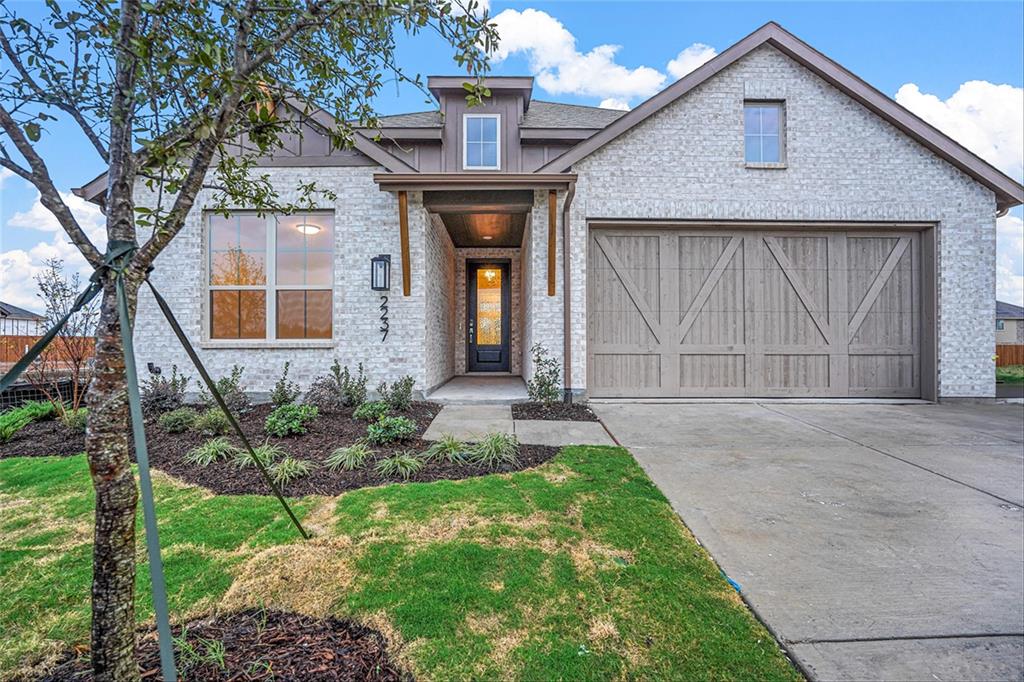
pixel 922 53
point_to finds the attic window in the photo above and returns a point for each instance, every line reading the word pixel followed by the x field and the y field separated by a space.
pixel 481 145
pixel 763 133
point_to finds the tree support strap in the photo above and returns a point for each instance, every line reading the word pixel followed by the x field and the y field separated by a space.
pixel 115 260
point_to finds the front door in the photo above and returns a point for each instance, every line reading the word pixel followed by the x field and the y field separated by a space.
pixel 487 316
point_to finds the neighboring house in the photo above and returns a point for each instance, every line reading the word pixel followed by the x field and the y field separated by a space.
pixel 769 225
pixel 1009 323
pixel 15 321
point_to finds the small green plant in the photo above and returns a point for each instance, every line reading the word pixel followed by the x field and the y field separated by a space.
pixel 37 410
pixel 403 465
pixel 495 450
pixel 285 392
pixel 212 422
pixel 372 411
pixel 190 656
pixel 290 419
pixel 289 469
pixel 352 386
pixel 325 394
pixel 449 449
pixel 231 390
pixel 399 395
pixel 544 386
pixel 14 420
pixel 266 454
pixel 162 394
pixel 75 420
pixel 177 421
pixel 390 429
pixel 349 458
pixel 211 451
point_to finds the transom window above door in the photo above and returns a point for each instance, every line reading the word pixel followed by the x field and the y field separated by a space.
pixel 270 277
pixel 481 144
pixel 763 132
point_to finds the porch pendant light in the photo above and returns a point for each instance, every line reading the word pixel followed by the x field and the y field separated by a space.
pixel 380 272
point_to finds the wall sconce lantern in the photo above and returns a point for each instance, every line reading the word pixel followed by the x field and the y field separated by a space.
pixel 380 273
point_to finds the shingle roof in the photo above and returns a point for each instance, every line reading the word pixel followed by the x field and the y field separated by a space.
pixel 543 114
pixel 8 310
pixel 1009 311
pixel 417 119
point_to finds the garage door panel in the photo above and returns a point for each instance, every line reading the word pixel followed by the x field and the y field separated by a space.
pixel 754 313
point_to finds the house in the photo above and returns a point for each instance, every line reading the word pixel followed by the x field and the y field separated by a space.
pixel 769 225
pixel 1009 323
pixel 15 321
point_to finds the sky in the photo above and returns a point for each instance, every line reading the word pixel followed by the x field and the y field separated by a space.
pixel 959 66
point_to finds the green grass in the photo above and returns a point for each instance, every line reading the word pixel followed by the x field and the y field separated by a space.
pixel 1010 374
pixel 577 569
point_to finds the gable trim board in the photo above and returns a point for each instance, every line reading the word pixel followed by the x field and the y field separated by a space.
pixel 1008 192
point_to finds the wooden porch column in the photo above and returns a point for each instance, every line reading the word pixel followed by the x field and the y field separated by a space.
pixel 552 220
pixel 403 228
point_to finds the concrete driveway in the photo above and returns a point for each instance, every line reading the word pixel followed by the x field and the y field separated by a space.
pixel 876 541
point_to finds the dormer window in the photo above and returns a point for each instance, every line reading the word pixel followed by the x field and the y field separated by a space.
pixel 481 143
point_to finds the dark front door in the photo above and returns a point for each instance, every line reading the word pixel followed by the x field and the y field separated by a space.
pixel 487 315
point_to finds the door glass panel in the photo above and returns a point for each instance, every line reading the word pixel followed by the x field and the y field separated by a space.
pixel 488 307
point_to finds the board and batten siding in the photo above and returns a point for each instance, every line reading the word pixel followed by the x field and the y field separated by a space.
pixel 843 165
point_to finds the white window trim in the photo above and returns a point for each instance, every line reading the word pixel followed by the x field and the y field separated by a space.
pixel 781 105
pixel 270 288
pixel 465 141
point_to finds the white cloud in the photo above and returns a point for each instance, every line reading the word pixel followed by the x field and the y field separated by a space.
pixel 689 59
pixel 482 6
pixel 984 117
pixel 18 267
pixel 4 174
pixel 612 103
pixel 560 68
pixel 1010 259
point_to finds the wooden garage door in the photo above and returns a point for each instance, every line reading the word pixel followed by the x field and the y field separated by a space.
pixel 755 313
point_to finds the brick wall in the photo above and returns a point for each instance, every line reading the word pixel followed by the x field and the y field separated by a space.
pixel 441 308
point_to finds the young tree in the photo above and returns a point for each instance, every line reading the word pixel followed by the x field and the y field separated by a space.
pixel 181 95
pixel 69 356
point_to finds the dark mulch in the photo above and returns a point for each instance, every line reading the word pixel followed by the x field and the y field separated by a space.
pixel 41 439
pixel 262 645
pixel 328 431
pixel 564 412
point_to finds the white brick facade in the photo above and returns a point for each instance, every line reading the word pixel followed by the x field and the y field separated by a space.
pixel 843 164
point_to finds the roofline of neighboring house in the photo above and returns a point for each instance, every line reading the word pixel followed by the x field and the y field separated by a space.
pixel 12 312
pixel 1008 192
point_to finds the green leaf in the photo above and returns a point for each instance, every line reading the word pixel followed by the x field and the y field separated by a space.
pixel 33 131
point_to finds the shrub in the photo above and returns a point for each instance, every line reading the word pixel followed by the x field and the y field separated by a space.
pixel 211 451
pixel 349 458
pixel 285 392
pixel 399 395
pixel 288 469
pixel 448 449
pixel 162 394
pixel 75 420
pixel 290 419
pixel 14 420
pixel 495 450
pixel 544 386
pixel 324 394
pixel 37 410
pixel 212 422
pixel 352 387
pixel 372 411
pixel 178 420
pixel 9 427
pixel 267 454
pixel 231 389
pixel 404 464
pixel 390 430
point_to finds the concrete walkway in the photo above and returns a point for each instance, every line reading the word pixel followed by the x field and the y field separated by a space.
pixel 876 541
pixel 471 422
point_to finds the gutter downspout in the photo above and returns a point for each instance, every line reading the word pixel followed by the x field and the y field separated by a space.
pixel 567 295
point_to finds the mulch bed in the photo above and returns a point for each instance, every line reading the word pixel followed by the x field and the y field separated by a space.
pixel 328 431
pixel 563 412
pixel 262 645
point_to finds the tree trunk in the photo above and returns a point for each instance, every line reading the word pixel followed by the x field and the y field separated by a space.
pixel 107 443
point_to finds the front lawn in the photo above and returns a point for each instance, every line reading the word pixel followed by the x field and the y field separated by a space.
pixel 1010 374
pixel 577 569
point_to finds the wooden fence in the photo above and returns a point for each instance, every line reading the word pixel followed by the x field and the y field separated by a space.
pixel 13 347
pixel 1009 354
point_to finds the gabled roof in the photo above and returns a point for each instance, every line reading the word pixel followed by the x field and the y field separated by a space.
pixel 416 119
pixel 1008 311
pixel 558 115
pixel 14 312
pixel 1008 192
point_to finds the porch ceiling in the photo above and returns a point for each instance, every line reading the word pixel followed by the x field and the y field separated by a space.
pixel 482 218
